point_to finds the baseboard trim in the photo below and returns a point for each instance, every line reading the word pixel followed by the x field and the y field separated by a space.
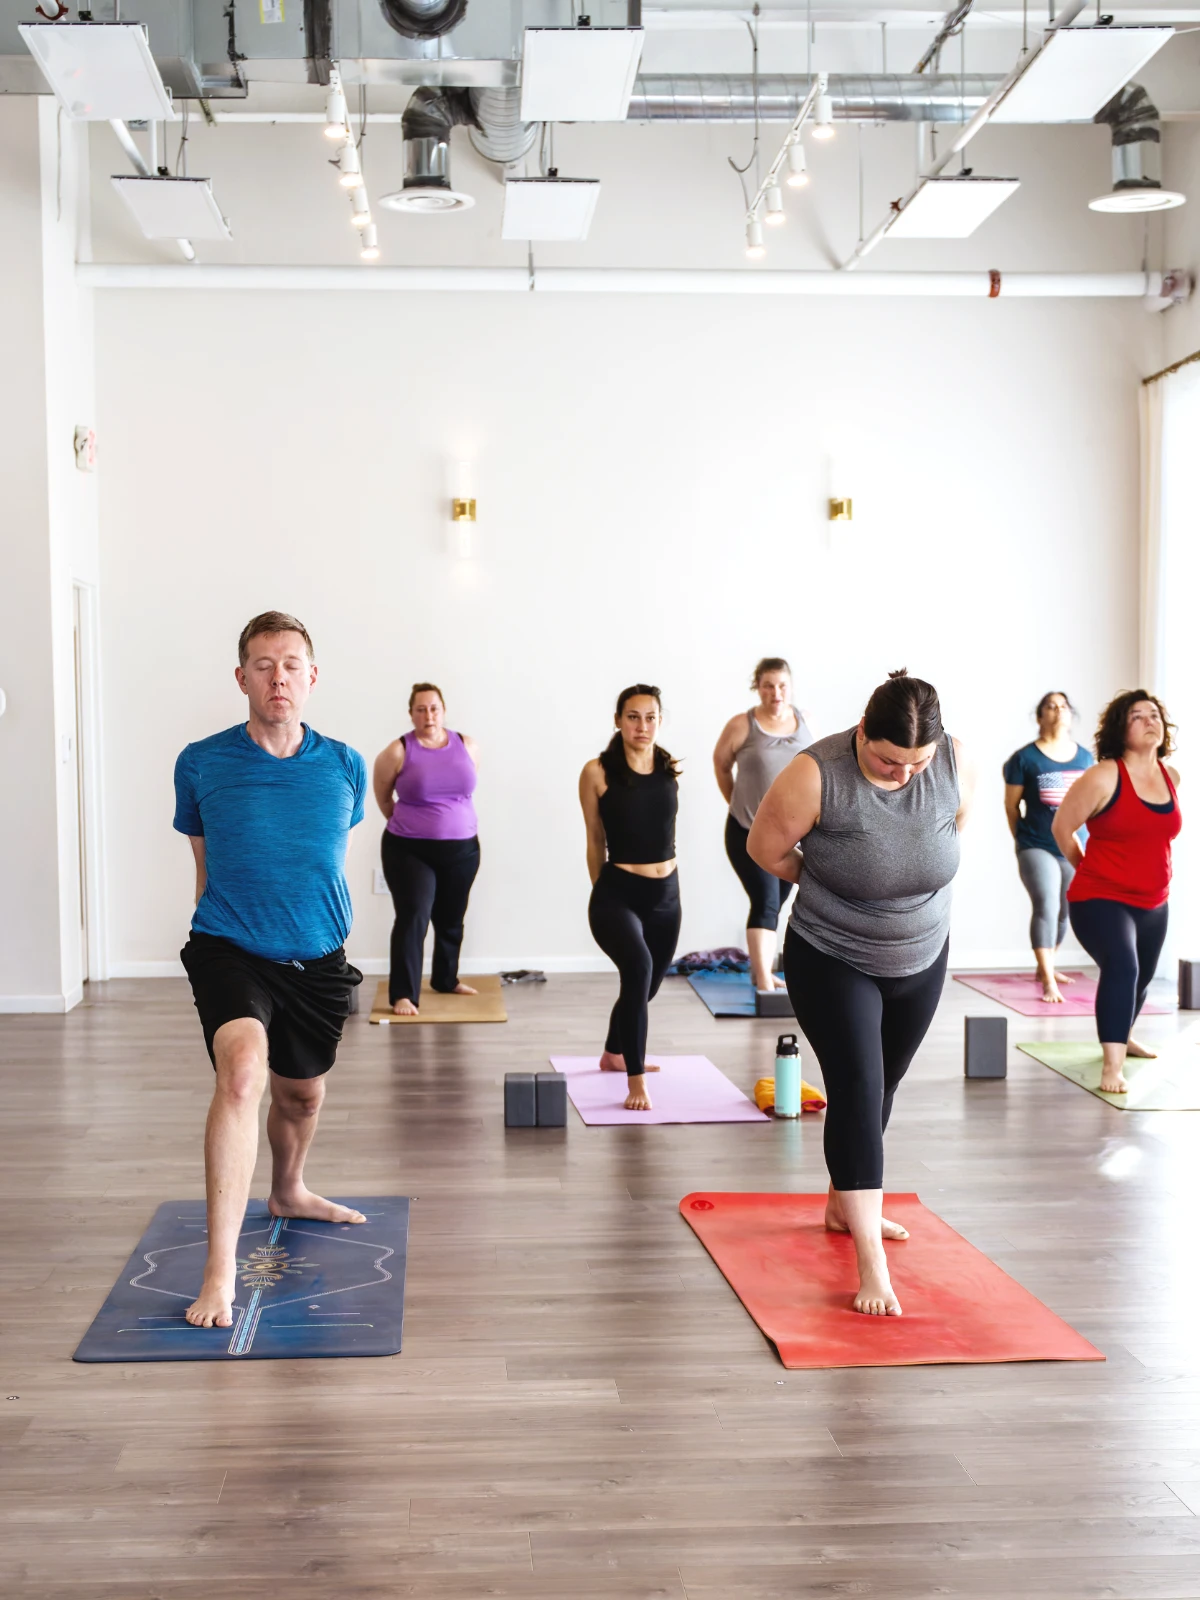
pixel 15 1005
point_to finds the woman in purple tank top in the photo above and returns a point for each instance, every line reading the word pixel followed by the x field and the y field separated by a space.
pixel 424 783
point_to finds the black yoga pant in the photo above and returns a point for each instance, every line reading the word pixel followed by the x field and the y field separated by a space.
pixel 635 921
pixel 1125 942
pixel 767 892
pixel 430 881
pixel 865 1031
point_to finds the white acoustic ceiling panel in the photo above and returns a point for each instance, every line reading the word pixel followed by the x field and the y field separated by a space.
pixel 951 208
pixel 579 74
pixel 546 209
pixel 173 208
pixel 100 71
pixel 1077 71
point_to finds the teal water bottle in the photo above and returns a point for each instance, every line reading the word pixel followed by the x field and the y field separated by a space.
pixel 787 1076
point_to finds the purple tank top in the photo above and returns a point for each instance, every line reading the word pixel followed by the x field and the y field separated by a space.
pixel 433 792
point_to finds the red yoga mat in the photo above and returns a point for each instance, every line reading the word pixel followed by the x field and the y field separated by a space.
pixel 798 1282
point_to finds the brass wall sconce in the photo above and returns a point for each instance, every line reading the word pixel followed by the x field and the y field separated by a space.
pixel 841 509
pixel 462 510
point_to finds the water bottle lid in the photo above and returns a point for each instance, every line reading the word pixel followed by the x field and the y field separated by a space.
pixel 786 1045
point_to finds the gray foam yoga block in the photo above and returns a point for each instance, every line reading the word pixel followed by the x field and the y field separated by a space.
pixel 1189 985
pixel 772 1003
pixel 520 1100
pixel 551 1100
pixel 985 1053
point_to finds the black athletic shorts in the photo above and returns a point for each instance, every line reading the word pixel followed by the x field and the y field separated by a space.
pixel 303 1007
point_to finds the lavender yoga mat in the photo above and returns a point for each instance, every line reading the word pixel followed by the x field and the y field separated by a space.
pixel 1021 992
pixel 686 1089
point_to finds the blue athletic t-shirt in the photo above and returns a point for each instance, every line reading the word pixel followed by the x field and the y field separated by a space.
pixel 275 833
pixel 1045 782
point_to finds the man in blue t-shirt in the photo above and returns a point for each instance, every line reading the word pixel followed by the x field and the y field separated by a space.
pixel 268 807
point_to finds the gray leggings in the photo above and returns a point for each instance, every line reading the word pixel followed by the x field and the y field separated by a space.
pixel 1047 878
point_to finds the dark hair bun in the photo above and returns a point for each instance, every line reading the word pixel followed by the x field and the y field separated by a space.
pixel 904 711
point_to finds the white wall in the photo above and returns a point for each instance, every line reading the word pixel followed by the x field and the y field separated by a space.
pixel 651 480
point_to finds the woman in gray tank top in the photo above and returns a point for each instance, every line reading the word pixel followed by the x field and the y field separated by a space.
pixel 752 751
pixel 877 812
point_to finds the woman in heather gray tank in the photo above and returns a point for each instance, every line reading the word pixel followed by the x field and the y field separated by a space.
pixel 877 811
pixel 752 751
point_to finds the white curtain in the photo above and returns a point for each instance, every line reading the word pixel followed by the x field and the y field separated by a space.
pixel 1169 653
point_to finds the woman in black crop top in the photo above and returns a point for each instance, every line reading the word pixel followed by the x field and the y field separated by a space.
pixel 630 795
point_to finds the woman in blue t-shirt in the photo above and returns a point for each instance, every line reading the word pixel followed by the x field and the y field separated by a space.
pixel 1038 776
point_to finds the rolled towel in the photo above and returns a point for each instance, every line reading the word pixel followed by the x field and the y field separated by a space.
pixel 764 1096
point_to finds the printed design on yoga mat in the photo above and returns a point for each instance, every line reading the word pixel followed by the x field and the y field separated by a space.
pixel 1169 1082
pixel 1022 992
pixel 304 1289
pixel 797 1282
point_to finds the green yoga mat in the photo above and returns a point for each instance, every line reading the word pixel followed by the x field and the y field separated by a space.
pixel 1171 1082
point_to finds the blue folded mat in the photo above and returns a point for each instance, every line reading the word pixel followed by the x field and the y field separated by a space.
pixel 726 994
pixel 305 1289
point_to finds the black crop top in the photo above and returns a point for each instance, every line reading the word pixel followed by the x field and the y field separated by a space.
pixel 639 818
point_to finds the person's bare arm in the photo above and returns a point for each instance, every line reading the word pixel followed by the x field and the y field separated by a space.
pixel 197 845
pixel 1012 805
pixel 966 785
pixel 472 748
pixel 1086 796
pixel 733 736
pixel 388 764
pixel 591 787
pixel 790 809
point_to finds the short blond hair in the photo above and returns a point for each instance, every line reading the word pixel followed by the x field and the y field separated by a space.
pixel 272 622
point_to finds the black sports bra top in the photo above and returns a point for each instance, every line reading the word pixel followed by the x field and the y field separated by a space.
pixel 639 818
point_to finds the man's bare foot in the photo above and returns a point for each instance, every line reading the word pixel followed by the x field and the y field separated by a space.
pixel 212 1307
pixel 1140 1052
pixel 876 1297
pixel 638 1098
pixel 312 1208
pixel 464 988
pixel 405 1008
pixel 614 1063
pixel 835 1221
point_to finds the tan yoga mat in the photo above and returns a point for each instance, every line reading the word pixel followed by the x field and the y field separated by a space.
pixel 1171 1082
pixel 486 1006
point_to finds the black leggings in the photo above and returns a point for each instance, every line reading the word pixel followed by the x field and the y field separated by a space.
pixel 1125 942
pixel 635 921
pixel 767 893
pixel 430 881
pixel 865 1031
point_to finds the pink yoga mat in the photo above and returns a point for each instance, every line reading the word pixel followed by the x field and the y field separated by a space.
pixel 1021 992
pixel 686 1089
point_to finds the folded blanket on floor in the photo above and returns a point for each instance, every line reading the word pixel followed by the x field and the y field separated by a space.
pixel 727 959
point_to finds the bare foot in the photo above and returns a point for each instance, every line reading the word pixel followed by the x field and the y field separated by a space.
pixel 876 1297
pixel 1113 1082
pixel 405 1008
pixel 835 1221
pixel 1062 977
pixel 213 1306
pixel 638 1098
pixel 1050 992
pixel 464 988
pixel 614 1063
pixel 312 1208
pixel 1140 1051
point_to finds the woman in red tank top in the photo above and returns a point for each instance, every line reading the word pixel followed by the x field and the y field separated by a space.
pixel 1118 898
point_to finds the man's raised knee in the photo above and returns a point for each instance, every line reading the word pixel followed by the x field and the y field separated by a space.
pixel 241 1073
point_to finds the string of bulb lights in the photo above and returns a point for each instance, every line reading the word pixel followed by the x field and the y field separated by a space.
pixel 767 205
pixel 349 164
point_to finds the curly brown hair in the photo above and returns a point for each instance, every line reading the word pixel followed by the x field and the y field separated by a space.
pixel 1110 730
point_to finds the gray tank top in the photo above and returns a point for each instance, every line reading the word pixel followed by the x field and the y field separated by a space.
pixel 875 889
pixel 760 761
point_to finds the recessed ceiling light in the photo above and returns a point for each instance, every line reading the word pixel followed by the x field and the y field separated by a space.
pixel 173 208
pixel 579 74
pixel 427 200
pixel 950 208
pixel 100 71
pixel 549 208
pixel 1077 71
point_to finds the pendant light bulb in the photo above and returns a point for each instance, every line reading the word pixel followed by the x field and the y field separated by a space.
pixel 360 208
pixel 351 171
pixel 337 123
pixel 776 215
pixel 797 166
pixel 823 118
pixel 370 243
pixel 755 248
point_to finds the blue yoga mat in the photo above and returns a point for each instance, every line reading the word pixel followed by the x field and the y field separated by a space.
pixel 305 1289
pixel 726 994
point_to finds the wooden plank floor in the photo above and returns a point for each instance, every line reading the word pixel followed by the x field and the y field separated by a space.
pixel 582 1408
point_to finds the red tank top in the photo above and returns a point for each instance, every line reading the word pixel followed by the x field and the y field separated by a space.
pixel 1128 855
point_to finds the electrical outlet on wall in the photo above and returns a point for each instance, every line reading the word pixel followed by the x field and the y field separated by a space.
pixel 380 884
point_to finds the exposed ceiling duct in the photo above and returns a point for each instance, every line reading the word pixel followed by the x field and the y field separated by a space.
pixel 428 119
pixel 1136 155
pixel 857 97
pixel 499 134
pixel 423 19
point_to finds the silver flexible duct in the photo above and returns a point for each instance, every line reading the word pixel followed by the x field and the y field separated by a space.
pixel 1136 139
pixel 501 136
pixel 857 97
